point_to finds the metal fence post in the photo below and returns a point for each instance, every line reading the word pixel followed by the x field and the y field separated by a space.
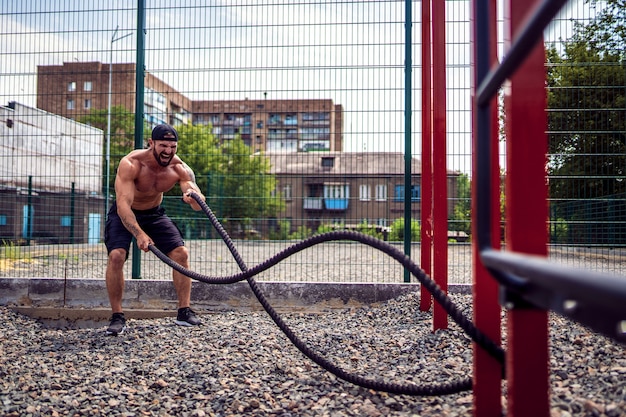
pixel 139 98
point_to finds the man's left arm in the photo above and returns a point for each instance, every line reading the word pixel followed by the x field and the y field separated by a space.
pixel 188 185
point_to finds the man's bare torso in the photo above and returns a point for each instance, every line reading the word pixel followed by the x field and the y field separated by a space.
pixel 150 179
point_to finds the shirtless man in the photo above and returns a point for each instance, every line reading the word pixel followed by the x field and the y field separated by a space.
pixel 142 177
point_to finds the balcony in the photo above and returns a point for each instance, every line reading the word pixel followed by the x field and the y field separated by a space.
pixel 313 203
pixel 336 204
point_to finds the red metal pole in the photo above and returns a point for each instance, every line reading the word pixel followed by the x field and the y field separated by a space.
pixel 440 186
pixel 526 219
pixel 487 372
pixel 427 167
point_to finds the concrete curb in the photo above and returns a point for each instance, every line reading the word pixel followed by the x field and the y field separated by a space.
pixel 74 300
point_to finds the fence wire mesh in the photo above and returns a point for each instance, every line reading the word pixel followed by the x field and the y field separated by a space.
pixel 292 116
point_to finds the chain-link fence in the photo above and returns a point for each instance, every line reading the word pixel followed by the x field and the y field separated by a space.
pixel 292 117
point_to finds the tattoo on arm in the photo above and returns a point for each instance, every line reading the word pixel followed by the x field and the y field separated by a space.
pixel 131 225
pixel 192 178
pixel 190 172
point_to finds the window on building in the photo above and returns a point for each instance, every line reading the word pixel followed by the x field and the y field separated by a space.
pixel 87 104
pixel 315 133
pixel 381 192
pixel 287 192
pixel 364 192
pixel 292 134
pixel 382 222
pixel 71 86
pixel 66 221
pixel 415 193
pixel 291 119
pixel 3 219
pixel 259 124
pixel 399 193
pixel 87 86
pixel 274 119
pixel 328 161
pixel 336 191
pixel 276 134
pixel 228 132
pixel 70 104
pixel 316 118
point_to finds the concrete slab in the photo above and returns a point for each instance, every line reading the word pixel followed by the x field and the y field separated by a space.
pixel 85 300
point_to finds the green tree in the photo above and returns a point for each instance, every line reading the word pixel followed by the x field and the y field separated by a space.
pixel 302 232
pixel 397 230
pixel 248 185
pixel 368 229
pixel 122 135
pixel 237 184
pixel 325 228
pixel 282 231
pixel 586 119
pixel 200 149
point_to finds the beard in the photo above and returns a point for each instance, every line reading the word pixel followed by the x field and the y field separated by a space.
pixel 162 159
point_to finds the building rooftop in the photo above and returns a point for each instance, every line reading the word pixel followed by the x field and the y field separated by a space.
pixel 341 163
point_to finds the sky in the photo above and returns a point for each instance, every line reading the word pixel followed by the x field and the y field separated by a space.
pixel 350 52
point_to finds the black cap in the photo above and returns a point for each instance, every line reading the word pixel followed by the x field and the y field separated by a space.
pixel 164 132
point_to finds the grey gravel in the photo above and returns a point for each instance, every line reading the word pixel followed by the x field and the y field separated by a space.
pixel 241 364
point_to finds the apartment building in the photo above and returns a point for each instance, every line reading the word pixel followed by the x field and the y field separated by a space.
pixel 349 188
pixel 74 88
pixel 71 90
pixel 275 125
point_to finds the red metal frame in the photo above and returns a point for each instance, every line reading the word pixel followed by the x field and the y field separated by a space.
pixel 487 383
pixel 526 214
pixel 527 360
pixel 426 246
pixel 440 186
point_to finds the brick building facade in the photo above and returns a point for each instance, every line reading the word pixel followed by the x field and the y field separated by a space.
pixel 74 88
pixel 349 188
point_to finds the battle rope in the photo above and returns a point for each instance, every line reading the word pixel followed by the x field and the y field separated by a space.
pixel 438 295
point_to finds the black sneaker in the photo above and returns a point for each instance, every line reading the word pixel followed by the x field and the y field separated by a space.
pixel 186 317
pixel 118 324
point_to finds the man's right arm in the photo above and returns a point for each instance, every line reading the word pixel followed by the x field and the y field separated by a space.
pixel 124 197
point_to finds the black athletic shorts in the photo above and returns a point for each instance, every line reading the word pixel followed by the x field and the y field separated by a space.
pixel 161 229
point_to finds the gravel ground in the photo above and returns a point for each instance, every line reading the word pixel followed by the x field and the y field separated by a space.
pixel 241 364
